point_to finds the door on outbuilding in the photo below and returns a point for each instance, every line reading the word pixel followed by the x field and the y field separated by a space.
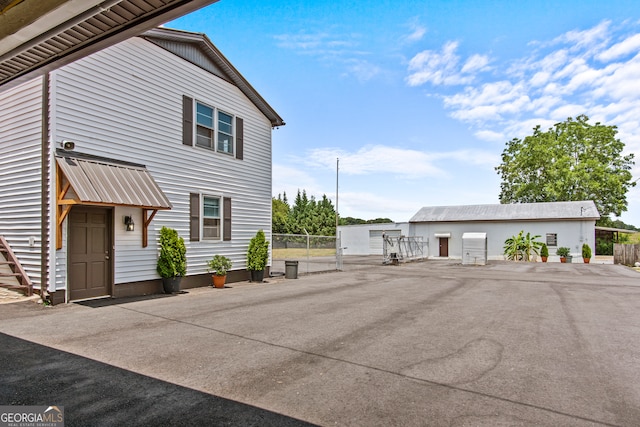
pixel 444 246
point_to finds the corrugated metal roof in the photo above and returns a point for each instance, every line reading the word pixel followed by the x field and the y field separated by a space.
pixel 508 212
pixel 119 184
pixel 221 65
pixel 82 33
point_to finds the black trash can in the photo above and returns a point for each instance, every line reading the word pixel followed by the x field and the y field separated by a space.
pixel 291 269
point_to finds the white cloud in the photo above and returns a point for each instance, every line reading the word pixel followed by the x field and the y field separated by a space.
pixel 628 46
pixel 289 180
pixel 592 71
pixel 490 135
pixel 417 32
pixel 363 70
pixel 442 68
pixel 590 38
pixel 368 205
pixel 376 159
pixel 396 162
pixel 475 63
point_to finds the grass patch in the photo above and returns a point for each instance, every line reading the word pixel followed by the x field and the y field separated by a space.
pixel 302 253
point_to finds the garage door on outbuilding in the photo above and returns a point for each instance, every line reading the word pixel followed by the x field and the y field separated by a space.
pixel 376 241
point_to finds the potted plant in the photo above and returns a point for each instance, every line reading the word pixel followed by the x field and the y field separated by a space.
pixel 257 256
pixel 172 262
pixel 586 253
pixel 563 252
pixel 218 266
pixel 544 252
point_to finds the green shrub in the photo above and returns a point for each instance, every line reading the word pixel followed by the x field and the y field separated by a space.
pixel 172 261
pixel 258 252
pixel 219 265
pixel 586 251
pixel 563 251
pixel 544 251
pixel 604 247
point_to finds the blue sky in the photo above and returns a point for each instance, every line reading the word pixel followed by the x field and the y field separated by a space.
pixel 418 98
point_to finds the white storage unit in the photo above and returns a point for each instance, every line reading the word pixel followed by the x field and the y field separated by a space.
pixel 474 249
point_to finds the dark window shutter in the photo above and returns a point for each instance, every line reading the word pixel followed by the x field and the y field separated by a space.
pixel 239 138
pixel 194 217
pixel 227 219
pixel 187 120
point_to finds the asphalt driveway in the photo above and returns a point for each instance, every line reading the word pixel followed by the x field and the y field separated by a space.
pixel 431 343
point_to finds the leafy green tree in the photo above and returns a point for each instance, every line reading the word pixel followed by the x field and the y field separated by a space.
pixel 349 220
pixel 572 161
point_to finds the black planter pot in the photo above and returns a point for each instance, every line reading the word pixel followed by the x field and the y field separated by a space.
pixel 257 275
pixel 171 285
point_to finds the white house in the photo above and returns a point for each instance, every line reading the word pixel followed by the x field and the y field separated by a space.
pixel 568 224
pixel 158 130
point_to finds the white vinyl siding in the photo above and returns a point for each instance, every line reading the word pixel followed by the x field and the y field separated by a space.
pixel 117 104
pixel 20 176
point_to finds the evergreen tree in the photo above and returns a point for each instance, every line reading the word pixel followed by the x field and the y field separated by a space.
pixel 280 212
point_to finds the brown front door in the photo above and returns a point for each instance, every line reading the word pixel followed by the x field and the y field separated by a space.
pixel 444 246
pixel 89 252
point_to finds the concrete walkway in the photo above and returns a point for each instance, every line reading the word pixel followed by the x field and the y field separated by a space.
pixel 428 343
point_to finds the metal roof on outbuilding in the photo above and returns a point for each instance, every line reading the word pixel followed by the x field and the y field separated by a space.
pixel 582 210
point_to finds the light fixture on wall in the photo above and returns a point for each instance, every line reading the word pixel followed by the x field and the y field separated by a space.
pixel 67 145
pixel 129 224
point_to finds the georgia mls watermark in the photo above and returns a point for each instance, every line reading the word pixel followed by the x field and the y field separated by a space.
pixel 32 416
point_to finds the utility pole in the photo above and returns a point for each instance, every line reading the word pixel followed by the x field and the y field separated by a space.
pixel 337 176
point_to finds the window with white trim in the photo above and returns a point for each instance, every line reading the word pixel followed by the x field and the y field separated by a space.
pixel 214 129
pixel 210 218
pixel 552 239
pixel 211 128
pixel 225 133
pixel 204 126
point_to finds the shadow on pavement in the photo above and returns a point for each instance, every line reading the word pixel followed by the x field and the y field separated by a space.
pixel 97 394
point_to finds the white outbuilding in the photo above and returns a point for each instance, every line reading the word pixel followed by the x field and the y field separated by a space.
pixel 559 224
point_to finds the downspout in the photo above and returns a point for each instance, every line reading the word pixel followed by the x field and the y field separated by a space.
pixel 45 232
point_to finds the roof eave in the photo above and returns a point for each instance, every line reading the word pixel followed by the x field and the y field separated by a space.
pixel 221 61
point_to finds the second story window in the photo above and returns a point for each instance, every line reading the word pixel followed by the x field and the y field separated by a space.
pixel 225 132
pixel 208 127
pixel 204 126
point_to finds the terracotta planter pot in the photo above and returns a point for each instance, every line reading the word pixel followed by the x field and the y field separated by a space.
pixel 218 281
pixel 563 259
pixel 544 258
pixel 587 260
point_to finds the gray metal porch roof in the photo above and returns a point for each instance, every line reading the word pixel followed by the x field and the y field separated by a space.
pixel 96 181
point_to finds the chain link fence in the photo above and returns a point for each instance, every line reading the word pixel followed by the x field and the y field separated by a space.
pixel 314 253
